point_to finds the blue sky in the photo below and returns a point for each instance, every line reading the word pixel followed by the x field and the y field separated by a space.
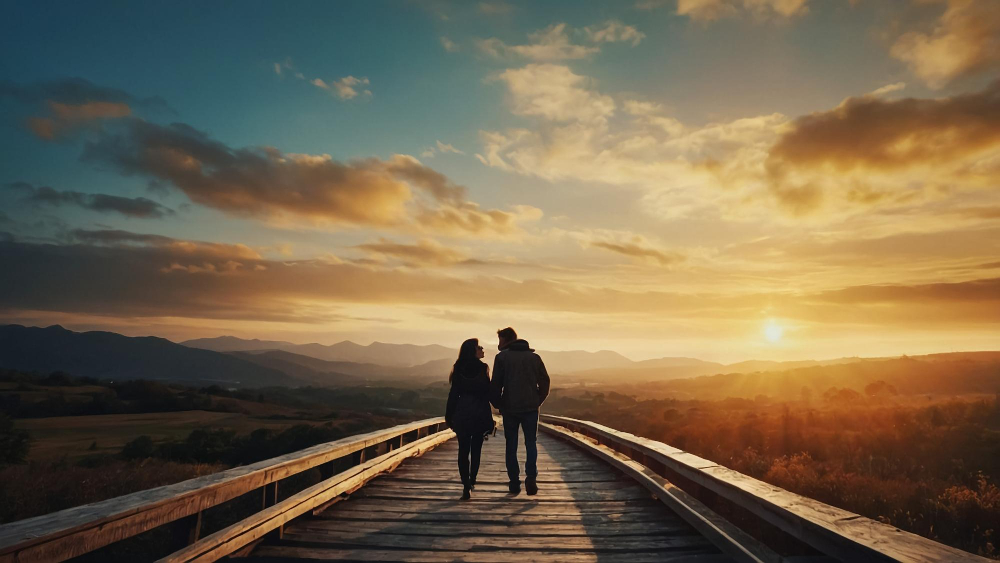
pixel 675 152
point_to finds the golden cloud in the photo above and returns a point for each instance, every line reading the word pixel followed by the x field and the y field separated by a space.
pixel 399 192
pixel 158 276
pixel 64 118
pixel 965 41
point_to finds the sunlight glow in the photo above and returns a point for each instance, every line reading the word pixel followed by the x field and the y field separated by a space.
pixel 772 331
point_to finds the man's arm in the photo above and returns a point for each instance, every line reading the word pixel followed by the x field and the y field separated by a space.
pixel 543 381
pixel 496 384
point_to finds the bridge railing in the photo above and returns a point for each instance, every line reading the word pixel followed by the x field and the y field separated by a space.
pixel 76 531
pixel 827 529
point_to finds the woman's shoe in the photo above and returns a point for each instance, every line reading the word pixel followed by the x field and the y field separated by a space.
pixel 465 494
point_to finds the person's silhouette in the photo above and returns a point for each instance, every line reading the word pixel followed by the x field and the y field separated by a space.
pixel 468 410
pixel 519 386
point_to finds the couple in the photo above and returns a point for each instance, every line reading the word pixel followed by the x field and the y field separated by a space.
pixel 519 386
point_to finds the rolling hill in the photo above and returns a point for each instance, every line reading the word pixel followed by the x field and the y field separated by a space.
pixel 397 355
pixel 114 356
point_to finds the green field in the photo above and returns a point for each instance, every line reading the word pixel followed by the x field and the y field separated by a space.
pixel 71 436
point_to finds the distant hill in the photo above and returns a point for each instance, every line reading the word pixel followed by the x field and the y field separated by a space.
pixel 312 370
pixel 114 356
pixel 424 359
pixel 936 374
pixel 663 369
pixel 398 355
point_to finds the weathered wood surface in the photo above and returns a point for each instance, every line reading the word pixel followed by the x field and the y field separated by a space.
pixel 584 511
pixel 830 530
pixel 68 533
pixel 249 530
pixel 730 539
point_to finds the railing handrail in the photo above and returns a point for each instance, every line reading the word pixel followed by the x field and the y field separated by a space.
pixel 831 530
pixel 81 529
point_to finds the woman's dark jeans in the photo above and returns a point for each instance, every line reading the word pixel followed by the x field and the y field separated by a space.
pixel 469 444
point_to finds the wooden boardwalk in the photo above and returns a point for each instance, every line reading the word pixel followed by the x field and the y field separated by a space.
pixel 585 511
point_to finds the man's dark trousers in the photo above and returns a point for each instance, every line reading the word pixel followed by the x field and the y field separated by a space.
pixel 529 422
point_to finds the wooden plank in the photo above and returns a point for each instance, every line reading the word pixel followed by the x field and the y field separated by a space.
pixel 229 539
pixel 693 543
pixel 508 506
pixel 541 497
pixel 828 529
pixel 459 528
pixel 75 531
pixel 265 554
pixel 727 537
pixel 568 488
pixel 491 517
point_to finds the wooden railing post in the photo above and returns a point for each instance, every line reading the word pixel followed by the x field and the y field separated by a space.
pixel 195 532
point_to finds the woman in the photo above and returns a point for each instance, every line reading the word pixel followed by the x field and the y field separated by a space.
pixel 468 412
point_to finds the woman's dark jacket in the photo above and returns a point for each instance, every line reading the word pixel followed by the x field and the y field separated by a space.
pixel 468 411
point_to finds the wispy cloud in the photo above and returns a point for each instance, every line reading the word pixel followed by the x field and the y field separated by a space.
pixel 554 43
pixel 449 45
pixel 344 88
pixel 138 207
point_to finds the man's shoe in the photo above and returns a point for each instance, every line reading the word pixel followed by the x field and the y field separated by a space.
pixel 465 494
pixel 530 486
pixel 514 487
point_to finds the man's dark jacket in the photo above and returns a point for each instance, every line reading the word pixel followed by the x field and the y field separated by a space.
pixel 520 382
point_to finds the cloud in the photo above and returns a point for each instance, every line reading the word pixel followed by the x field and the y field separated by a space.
pixel 169 278
pixel 613 31
pixel 425 252
pixel 495 8
pixel 65 118
pixel 555 93
pixel 263 182
pixel 549 44
pixel 873 133
pixel 711 10
pixel 440 147
pixel 139 207
pixel 447 147
pixel 469 218
pixel 869 152
pixel 449 45
pixel 888 89
pixel 78 92
pixel 345 88
pixel 964 41
pixel 178 248
pixel 639 249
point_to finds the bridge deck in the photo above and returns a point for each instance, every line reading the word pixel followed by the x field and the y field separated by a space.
pixel 584 511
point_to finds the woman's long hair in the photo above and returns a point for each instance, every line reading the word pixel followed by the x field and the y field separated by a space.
pixel 467 358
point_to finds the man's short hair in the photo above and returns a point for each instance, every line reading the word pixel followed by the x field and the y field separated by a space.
pixel 507 334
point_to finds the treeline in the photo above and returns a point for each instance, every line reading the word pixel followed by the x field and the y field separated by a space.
pixel 221 446
pixel 37 395
pixel 930 469
pixel 970 374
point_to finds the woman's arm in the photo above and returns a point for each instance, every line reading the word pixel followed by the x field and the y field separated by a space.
pixel 449 409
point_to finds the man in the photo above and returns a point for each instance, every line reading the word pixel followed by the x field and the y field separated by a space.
pixel 519 386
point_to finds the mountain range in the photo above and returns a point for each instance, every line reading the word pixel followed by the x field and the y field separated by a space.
pixel 234 362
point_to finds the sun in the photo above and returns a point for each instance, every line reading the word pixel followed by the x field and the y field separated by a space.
pixel 773 331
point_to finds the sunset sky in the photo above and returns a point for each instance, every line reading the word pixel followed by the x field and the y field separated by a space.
pixel 723 179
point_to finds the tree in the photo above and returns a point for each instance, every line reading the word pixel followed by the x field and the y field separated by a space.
pixel 140 448
pixel 879 388
pixel 14 443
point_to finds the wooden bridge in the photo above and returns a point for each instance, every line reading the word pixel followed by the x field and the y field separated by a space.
pixel 392 495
